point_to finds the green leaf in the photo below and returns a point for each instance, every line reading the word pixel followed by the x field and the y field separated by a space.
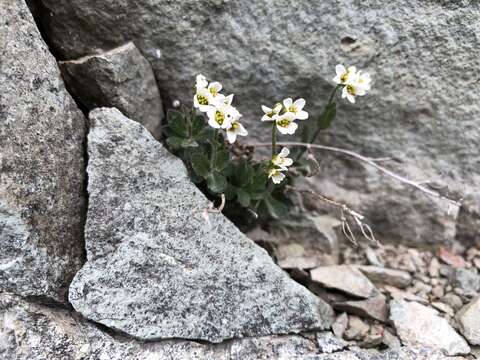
pixel 186 143
pixel 216 182
pixel 198 124
pixel 244 173
pixel 221 160
pixel 308 166
pixel 205 134
pixel 276 209
pixel 200 164
pixel 327 116
pixel 243 197
pixel 175 142
pixel 177 123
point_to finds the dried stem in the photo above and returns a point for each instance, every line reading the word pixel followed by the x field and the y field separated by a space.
pixel 346 213
pixel 211 209
pixel 372 162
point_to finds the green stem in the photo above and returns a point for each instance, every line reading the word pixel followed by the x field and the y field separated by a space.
pixel 317 131
pixel 214 148
pixel 274 139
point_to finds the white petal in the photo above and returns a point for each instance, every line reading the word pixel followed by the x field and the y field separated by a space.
pixel 299 104
pixel 215 86
pixel 231 136
pixel 288 162
pixel 278 177
pixel 352 69
pixel 277 108
pixel 266 118
pixel 340 70
pixel 228 99
pixel 344 92
pixel 337 80
pixel 284 152
pixel 290 129
pixel 287 102
pixel 301 115
pixel 351 98
pixel 266 110
pixel 213 123
pixel 241 130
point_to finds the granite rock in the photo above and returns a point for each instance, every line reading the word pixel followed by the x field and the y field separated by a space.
pixel 265 53
pixel 156 269
pixel 120 78
pixel 417 324
pixel 345 278
pixel 469 320
pixel 42 173
pixel 468 221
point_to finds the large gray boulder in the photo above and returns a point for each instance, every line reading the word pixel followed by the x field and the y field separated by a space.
pixel 42 204
pixel 423 107
pixel 156 269
pixel 120 78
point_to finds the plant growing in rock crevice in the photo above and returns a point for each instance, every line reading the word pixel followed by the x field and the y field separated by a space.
pixel 205 138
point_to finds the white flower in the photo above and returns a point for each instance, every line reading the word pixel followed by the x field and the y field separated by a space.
pixel 214 88
pixel 201 82
pixel 221 116
pixel 203 100
pixel 356 86
pixel 364 80
pixel 285 123
pixel 281 160
pixel 271 114
pixel 235 130
pixel 296 108
pixel 344 75
pixel 276 175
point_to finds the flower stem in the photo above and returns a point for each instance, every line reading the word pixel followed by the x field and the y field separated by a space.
pixel 274 139
pixel 317 131
pixel 214 148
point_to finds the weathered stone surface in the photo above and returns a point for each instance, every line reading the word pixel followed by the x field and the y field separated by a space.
pixel 34 332
pixel 272 53
pixel 156 269
pixel 417 324
pixel 329 343
pixel 42 203
pixel 344 278
pixel 398 278
pixel 467 280
pixel 468 221
pixel 374 307
pixel 120 78
pixel 469 320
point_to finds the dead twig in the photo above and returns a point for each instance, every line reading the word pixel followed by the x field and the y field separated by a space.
pixel 211 209
pixel 372 162
pixel 346 214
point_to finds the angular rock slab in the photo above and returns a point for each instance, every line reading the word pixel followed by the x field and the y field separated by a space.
pixel 417 324
pixel 42 170
pixel 155 268
pixel 120 78
pixel 345 278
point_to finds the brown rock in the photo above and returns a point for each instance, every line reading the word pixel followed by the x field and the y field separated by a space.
pixel 381 275
pixel 374 308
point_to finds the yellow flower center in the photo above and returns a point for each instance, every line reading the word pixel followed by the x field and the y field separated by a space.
pixel 219 117
pixel 293 109
pixel 202 100
pixel 272 172
pixel 235 126
pixel 351 90
pixel 284 122
pixel 344 77
pixel 213 91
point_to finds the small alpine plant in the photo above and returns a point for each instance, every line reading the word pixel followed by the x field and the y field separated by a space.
pixel 206 137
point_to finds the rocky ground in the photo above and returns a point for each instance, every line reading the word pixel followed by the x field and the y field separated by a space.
pixel 385 295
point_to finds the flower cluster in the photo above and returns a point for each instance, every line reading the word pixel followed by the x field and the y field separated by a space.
pixel 355 83
pixel 284 114
pixel 218 107
pixel 278 164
